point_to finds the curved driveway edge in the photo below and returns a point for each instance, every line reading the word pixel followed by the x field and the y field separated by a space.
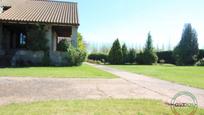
pixel 163 90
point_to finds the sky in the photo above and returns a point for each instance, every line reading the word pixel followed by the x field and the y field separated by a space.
pixel 102 21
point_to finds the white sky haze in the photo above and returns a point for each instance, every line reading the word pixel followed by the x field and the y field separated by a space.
pixel 102 21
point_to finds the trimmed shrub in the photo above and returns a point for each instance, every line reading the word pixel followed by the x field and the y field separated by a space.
pixel 75 56
pixel 132 55
pixel 115 55
pixel 98 57
pixel 166 57
pixel 63 45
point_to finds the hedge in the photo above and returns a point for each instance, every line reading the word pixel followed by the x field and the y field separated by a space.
pixel 201 54
pixel 98 57
pixel 166 56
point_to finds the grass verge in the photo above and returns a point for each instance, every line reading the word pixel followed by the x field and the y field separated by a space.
pixel 90 107
pixel 84 71
pixel 187 75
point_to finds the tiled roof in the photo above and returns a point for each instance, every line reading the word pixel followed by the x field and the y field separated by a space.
pixel 42 11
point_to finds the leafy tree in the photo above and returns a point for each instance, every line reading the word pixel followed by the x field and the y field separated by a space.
pixel 149 55
pixel 125 53
pixel 115 54
pixel 132 55
pixel 186 51
pixel 81 44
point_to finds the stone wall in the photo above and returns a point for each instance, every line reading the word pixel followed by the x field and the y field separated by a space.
pixel 37 57
pixel 58 58
pixel 27 57
pixel 2 52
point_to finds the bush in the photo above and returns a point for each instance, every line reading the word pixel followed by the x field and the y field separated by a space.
pixel 167 56
pixel 98 57
pixel 132 56
pixel 146 58
pixel 63 45
pixel 115 55
pixel 200 63
pixel 149 58
pixel 75 56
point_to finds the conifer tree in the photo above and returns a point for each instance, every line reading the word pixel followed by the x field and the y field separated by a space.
pixel 115 55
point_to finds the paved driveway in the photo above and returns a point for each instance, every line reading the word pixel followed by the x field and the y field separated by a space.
pixel 153 88
pixel 34 89
pixel 129 85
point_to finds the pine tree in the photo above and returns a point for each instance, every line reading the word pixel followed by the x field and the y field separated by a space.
pixel 125 53
pixel 150 56
pixel 186 51
pixel 115 54
pixel 132 55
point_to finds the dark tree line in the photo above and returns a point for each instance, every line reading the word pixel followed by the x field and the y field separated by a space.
pixel 118 55
pixel 185 53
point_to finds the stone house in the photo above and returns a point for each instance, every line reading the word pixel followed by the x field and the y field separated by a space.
pixel 16 18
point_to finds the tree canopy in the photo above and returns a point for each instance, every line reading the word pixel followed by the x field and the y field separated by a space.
pixel 80 42
pixel 149 55
pixel 186 51
pixel 115 54
pixel 125 53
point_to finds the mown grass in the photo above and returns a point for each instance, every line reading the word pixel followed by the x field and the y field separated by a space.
pixel 187 75
pixel 84 71
pixel 91 107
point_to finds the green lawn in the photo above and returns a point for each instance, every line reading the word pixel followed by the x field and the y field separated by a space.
pixel 90 107
pixel 188 75
pixel 84 71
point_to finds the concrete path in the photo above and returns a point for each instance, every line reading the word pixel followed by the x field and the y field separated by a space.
pixel 16 89
pixel 129 85
pixel 147 87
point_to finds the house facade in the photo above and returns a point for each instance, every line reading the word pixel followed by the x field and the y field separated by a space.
pixel 17 17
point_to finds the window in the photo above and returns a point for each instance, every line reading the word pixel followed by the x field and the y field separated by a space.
pixel 22 39
pixel 61 38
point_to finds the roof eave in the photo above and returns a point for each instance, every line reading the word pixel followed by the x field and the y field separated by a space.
pixel 34 22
